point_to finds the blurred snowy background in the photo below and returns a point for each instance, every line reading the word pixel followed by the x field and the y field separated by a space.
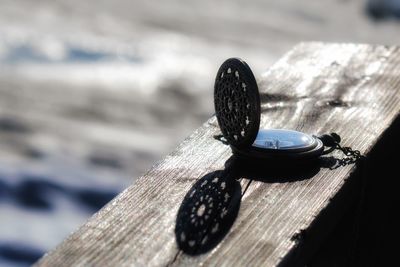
pixel 92 93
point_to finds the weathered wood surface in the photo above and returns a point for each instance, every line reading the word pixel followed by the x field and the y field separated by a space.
pixel 316 88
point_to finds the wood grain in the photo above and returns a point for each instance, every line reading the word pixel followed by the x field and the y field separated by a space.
pixel 316 88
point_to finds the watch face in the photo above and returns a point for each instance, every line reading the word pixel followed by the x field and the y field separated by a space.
pixel 237 103
pixel 282 147
pixel 280 139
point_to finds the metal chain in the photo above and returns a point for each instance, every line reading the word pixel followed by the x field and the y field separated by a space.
pixel 333 142
pixel 352 156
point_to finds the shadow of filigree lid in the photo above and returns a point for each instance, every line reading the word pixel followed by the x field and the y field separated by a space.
pixel 207 212
pixel 237 103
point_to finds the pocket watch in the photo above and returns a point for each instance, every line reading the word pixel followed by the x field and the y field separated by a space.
pixel 238 111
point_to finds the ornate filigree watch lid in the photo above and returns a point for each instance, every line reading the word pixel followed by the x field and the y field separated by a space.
pixel 237 103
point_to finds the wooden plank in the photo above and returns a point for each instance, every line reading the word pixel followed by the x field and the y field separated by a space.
pixel 316 88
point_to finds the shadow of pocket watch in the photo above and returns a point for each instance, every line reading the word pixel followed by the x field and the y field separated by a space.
pixel 238 111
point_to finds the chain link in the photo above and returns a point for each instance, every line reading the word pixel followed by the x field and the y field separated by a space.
pixel 352 156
